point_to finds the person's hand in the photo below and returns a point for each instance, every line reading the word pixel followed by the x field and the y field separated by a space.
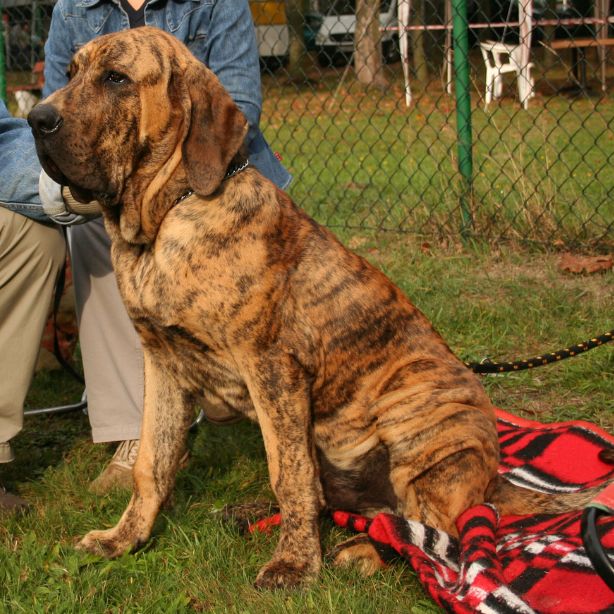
pixel 61 207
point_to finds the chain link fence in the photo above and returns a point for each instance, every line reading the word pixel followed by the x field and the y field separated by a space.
pixel 392 115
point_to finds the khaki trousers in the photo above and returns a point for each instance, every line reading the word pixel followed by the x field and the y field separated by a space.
pixel 31 257
pixel 110 347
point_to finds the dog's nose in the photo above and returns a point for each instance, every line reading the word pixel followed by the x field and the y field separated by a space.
pixel 44 120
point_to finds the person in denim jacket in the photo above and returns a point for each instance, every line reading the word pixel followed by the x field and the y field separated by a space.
pixel 221 34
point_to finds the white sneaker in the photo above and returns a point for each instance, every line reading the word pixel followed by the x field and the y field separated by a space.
pixel 6 453
pixel 118 473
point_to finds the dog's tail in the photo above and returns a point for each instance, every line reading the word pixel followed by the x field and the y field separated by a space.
pixel 510 499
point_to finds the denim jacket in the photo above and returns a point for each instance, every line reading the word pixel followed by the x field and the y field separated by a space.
pixel 19 167
pixel 218 32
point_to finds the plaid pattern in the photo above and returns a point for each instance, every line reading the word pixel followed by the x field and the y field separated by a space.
pixel 513 564
pixel 552 458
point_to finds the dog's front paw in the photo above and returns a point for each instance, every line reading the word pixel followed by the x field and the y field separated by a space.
pixel 286 574
pixel 104 543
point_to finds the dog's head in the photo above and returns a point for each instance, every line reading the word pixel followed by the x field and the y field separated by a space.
pixel 140 121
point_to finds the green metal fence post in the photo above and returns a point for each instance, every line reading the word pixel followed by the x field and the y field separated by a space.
pixel 2 60
pixel 460 34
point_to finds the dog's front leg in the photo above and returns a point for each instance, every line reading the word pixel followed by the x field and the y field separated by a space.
pixel 280 393
pixel 166 418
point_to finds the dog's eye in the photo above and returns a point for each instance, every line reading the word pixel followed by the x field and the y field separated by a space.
pixel 115 77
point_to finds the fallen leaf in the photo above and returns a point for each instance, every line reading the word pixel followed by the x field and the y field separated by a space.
pixel 356 242
pixel 584 264
pixel 353 185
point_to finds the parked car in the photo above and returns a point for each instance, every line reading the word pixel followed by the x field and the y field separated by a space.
pixel 272 31
pixel 507 10
pixel 335 38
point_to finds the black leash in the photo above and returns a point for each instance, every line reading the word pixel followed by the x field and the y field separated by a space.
pixel 592 544
pixel 59 289
pixel 488 366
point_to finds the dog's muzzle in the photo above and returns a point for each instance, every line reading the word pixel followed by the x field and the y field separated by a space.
pixel 44 120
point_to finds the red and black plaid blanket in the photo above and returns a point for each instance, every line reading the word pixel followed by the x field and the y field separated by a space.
pixel 514 563
pixel 511 564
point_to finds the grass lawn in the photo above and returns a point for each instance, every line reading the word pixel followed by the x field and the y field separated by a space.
pixel 498 302
pixel 364 160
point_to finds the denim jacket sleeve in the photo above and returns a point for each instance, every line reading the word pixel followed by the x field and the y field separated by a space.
pixel 19 167
pixel 58 51
pixel 232 54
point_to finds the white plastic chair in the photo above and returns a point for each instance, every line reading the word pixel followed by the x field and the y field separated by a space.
pixel 499 59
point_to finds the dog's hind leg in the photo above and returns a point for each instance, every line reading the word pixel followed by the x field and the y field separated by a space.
pixel 445 491
pixel 166 418
pixel 445 468
pixel 359 552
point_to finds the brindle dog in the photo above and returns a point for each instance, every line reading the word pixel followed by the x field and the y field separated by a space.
pixel 247 306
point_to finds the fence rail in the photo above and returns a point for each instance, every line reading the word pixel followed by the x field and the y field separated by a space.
pixel 363 159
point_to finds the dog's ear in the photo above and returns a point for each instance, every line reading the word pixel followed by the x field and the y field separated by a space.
pixel 217 129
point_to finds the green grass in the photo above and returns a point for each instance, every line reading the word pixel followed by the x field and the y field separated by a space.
pixel 501 303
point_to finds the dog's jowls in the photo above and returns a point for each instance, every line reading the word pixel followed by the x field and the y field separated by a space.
pixel 247 306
